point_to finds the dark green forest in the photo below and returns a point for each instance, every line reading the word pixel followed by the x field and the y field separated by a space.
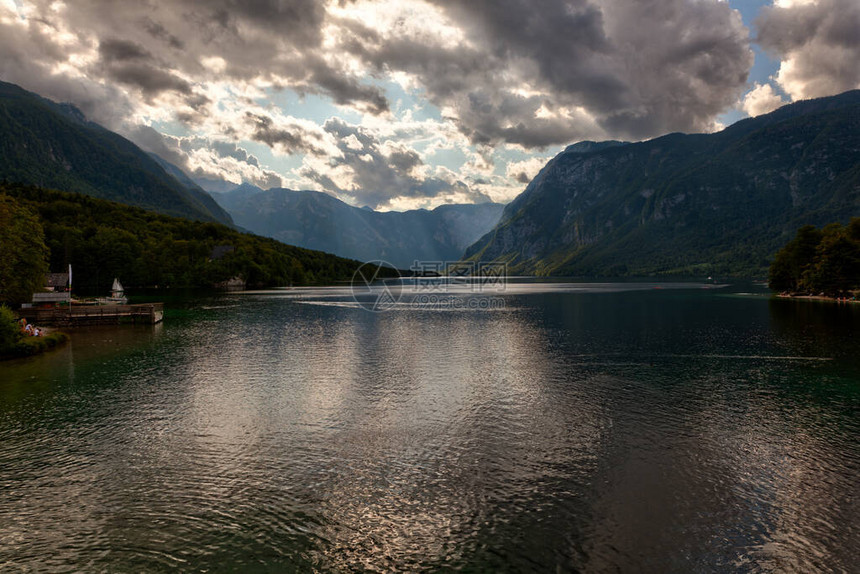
pixel 54 146
pixel 102 240
pixel 819 261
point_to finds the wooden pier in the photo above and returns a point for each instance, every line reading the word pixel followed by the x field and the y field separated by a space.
pixel 81 315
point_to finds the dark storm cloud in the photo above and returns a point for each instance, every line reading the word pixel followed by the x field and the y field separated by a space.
pixel 113 50
pixel 645 67
pixel 154 45
pixel 277 39
pixel 404 160
pixel 150 79
pixel 345 90
pixel 197 101
pixel 159 32
pixel 566 41
pixel 685 60
pixel 608 68
pixel 290 138
pixel 132 64
pixel 29 55
pixel 301 19
pixel 379 174
pixel 822 43
pixel 522 177
pixel 637 69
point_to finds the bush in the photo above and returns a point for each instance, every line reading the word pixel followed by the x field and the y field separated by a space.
pixel 34 345
pixel 10 332
pixel 14 344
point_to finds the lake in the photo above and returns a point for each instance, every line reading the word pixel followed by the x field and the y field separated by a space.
pixel 559 427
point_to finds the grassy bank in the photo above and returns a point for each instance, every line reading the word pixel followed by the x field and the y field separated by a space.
pixel 28 346
pixel 15 344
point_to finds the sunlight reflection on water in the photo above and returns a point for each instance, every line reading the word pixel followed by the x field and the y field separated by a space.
pixel 587 427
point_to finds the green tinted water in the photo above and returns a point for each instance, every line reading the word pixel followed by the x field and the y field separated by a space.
pixel 580 427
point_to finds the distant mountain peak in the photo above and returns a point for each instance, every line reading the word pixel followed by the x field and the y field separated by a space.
pixel 317 220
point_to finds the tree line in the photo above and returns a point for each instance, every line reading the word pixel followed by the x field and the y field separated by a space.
pixel 819 261
pixel 43 230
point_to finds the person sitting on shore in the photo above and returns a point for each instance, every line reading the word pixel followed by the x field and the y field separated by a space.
pixel 28 329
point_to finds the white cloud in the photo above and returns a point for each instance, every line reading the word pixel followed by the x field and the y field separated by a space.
pixel 762 99
pixel 524 171
pixel 818 44
pixel 793 3
pixel 352 143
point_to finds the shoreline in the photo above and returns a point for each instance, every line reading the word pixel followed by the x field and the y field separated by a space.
pixel 30 346
pixel 816 298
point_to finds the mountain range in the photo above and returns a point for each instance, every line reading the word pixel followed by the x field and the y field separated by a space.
pixel 316 220
pixel 53 145
pixel 680 204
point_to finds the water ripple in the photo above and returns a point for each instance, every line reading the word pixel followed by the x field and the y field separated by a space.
pixel 614 431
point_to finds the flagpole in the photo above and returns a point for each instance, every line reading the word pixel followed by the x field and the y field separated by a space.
pixel 70 293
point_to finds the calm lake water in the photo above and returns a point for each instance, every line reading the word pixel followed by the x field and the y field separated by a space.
pixel 589 427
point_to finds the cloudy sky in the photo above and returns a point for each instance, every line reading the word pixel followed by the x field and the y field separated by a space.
pixel 398 104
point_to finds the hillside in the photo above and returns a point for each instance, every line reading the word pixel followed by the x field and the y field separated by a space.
pixel 103 240
pixel 319 221
pixel 720 203
pixel 52 145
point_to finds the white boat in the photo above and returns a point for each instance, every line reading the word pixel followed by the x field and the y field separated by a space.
pixel 117 295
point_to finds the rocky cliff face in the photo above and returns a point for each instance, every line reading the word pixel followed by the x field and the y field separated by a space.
pixel 686 204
